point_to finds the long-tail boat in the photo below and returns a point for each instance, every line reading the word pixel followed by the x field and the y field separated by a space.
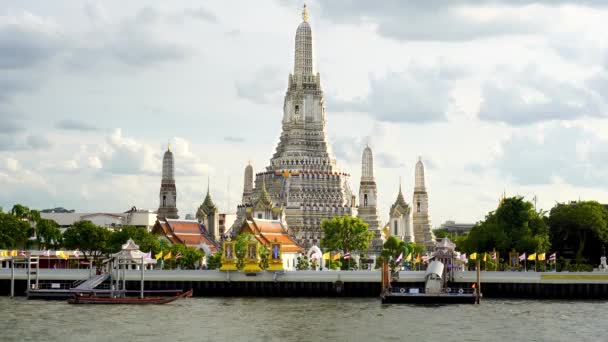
pixel 79 299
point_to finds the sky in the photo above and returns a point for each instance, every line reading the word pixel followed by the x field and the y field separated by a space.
pixel 495 97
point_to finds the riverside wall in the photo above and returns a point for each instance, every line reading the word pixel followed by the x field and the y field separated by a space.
pixel 563 285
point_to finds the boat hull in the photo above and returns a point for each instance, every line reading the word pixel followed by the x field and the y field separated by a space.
pixel 429 299
pixel 126 300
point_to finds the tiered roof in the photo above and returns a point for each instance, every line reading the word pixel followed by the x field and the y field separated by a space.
pixel 186 232
pixel 268 231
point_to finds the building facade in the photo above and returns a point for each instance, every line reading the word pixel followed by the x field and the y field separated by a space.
pixel 399 219
pixel 420 217
pixel 368 200
pixel 303 178
pixel 167 207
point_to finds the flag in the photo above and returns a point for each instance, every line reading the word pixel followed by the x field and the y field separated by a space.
pixel 158 255
pixel 316 256
pixel 336 257
pixel 541 257
pixel 463 257
pixel 494 256
pixel 178 255
pixel 425 258
pixel 167 256
pixel 553 256
pixel 326 255
pixel 408 258
pixel 46 253
pixel 399 257
pixel 485 256
pixel 62 255
pixel 347 255
pixel 13 253
pixel 3 253
pixel 522 257
pixel 76 253
pixel 473 256
pixel 418 258
pixel 22 253
pixel 532 257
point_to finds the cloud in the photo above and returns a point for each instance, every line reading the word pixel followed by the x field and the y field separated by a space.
pixel 529 97
pixel 74 125
pixel 27 39
pixel 265 86
pixel 445 20
pixel 201 13
pixel 234 139
pixel 418 95
pixel 128 156
pixel 557 154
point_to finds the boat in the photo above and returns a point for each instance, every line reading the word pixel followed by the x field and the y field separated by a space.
pixel 81 299
pixel 434 291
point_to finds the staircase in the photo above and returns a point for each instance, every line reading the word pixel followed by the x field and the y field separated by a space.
pixel 92 283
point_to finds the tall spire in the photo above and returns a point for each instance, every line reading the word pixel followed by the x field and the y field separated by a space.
pixel 303 52
pixel 419 176
pixel 304 14
pixel 367 164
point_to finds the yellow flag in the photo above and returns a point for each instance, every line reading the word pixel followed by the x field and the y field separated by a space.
pixel 541 257
pixel 158 255
pixel 167 256
pixel 408 257
pixel 417 259
pixel 4 253
pixel 532 256
pixel 336 257
pixel 62 255
pixel 473 256
pixel 326 255
pixel 13 252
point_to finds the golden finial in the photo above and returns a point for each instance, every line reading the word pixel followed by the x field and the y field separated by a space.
pixel 305 13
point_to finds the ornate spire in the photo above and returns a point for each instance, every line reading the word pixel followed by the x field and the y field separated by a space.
pixel 303 53
pixel 305 13
pixel 367 164
pixel 419 177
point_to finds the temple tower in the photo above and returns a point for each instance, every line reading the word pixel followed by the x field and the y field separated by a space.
pixel 303 179
pixel 168 193
pixel 422 225
pixel 209 216
pixel 248 184
pixel 368 196
pixel 399 222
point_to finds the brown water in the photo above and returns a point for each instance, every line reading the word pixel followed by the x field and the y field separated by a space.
pixel 304 319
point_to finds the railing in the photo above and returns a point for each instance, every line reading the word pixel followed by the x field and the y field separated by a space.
pixel 444 291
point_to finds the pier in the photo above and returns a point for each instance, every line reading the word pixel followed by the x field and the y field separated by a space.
pixel 562 285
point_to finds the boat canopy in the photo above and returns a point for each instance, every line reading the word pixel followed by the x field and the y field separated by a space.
pixel 434 270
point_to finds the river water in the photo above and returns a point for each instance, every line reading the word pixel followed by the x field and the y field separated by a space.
pixel 304 319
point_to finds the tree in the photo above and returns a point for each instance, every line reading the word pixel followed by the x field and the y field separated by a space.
pixel 20 211
pixel 91 240
pixel 302 263
pixel 345 234
pixel 146 241
pixel 14 231
pixel 240 248
pixel 48 234
pixel 515 225
pixel 214 261
pixel 186 257
pixel 579 227
pixel 441 232
pixel 392 249
pixel 264 252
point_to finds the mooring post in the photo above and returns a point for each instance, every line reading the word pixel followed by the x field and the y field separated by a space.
pixel 13 277
pixel 478 289
pixel 141 292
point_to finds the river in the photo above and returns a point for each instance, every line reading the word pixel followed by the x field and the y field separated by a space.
pixel 304 319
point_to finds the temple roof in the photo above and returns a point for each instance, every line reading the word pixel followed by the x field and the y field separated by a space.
pixel 267 231
pixel 264 201
pixel 186 232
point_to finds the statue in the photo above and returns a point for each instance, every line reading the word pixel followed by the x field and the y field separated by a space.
pixel 252 261
pixel 276 262
pixel 228 259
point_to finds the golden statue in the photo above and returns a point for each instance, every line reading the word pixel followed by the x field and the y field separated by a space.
pixel 228 257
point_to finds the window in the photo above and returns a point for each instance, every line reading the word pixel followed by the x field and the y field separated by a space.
pixel 365 200
pixel 395 226
pixel 418 207
pixel 164 200
pixel 260 216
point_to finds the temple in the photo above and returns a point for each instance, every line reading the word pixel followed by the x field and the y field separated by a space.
pixel 368 200
pixel 302 181
pixel 168 193
pixel 208 214
pixel 189 233
pixel 422 224
pixel 399 219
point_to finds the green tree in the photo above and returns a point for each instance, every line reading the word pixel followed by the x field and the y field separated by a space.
pixel 48 234
pixel 20 211
pixel 515 225
pixel 264 253
pixel 146 241
pixel 14 231
pixel 91 240
pixel 240 248
pixel 345 234
pixel 579 227
pixel 214 261
pixel 302 263
pixel 186 257
pixel 392 249
pixel 441 232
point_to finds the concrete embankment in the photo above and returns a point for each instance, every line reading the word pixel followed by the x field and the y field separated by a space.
pixel 330 283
